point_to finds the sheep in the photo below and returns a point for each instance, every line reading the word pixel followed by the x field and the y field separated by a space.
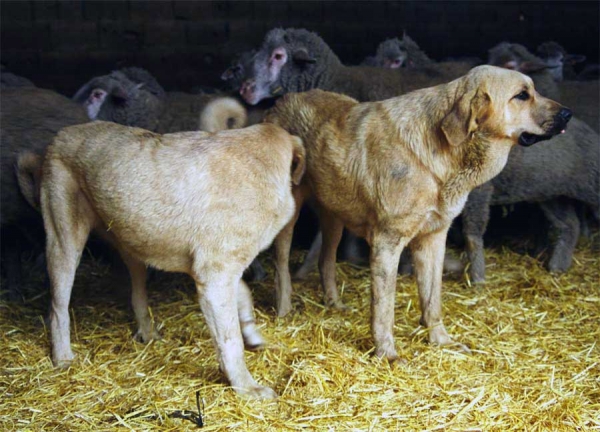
pixel 297 60
pixel 559 61
pixel 405 52
pixel 132 97
pixel 9 79
pixel 389 55
pixel 517 57
pixel 30 118
pixel 235 75
pixel 556 174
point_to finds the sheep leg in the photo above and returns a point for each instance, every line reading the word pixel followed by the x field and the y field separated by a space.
pixel 11 252
pixel 475 217
pixel 258 271
pixel 563 217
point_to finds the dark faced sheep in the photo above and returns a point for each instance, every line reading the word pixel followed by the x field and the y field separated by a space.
pixel 132 97
pixel 296 60
pixel 395 53
pixel 389 55
pixel 517 57
pixel 30 119
pixel 560 62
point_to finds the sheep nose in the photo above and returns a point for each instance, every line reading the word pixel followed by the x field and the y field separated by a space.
pixel 565 114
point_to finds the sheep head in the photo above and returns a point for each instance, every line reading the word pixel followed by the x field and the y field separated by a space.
pixel 289 60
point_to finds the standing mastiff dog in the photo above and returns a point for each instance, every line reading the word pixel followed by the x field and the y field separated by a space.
pixel 193 202
pixel 397 172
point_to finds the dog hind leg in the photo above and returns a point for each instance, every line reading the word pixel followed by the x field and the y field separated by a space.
pixel 332 229
pixel 68 220
pixel 283 244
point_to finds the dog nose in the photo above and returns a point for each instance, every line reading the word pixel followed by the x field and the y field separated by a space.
pixel 565 114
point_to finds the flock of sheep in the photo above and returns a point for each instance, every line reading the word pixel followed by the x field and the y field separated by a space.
pixel 561 175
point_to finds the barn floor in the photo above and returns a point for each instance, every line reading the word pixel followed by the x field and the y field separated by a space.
pixel 535 364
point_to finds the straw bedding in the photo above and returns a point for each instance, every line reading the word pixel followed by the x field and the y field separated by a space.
pixel 535 364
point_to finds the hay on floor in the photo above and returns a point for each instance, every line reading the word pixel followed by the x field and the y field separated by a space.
pixel 535 364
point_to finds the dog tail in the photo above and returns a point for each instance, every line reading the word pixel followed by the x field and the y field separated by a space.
pixel 298 160
pixel 28 170
pixel 223 113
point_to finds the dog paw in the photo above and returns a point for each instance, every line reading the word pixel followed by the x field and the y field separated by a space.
pixel 146 336
pixel 253 341
pixel 283 310
pixel 257 392
pixel 337 304
pixel 63 362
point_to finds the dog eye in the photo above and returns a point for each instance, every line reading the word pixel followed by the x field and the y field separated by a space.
pixel 522 96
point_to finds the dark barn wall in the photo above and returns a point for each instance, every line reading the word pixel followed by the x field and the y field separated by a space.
pixel 61 44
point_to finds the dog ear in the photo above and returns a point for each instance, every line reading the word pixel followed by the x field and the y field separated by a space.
pixel 298 160
pixel 471 110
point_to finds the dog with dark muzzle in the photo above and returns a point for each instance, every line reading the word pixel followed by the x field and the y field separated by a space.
pixel 397 172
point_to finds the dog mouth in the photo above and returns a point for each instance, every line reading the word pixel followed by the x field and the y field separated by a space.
pixel 557 126
pixel 528 139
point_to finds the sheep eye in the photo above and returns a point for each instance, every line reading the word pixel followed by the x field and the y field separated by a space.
pixel 522 96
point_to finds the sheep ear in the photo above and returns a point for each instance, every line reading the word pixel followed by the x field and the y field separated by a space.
pixel 302 56
pixel 574 58
pixel 82 93
pixel 465 117
pixel 532 66
pixel 298 161
pixel 230 72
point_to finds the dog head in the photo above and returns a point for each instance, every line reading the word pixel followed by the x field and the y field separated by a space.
pixel 502 105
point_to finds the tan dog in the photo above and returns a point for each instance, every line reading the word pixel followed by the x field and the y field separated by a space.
pixel 397 172
pixel 193 202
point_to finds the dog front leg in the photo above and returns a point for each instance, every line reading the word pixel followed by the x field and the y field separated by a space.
pixel 332 230
pixel 218 295
pixel 385 253
pixel 428 259
pixel 252 338
pixel 139 298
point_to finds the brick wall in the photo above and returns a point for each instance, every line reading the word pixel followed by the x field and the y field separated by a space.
pixel 61 43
